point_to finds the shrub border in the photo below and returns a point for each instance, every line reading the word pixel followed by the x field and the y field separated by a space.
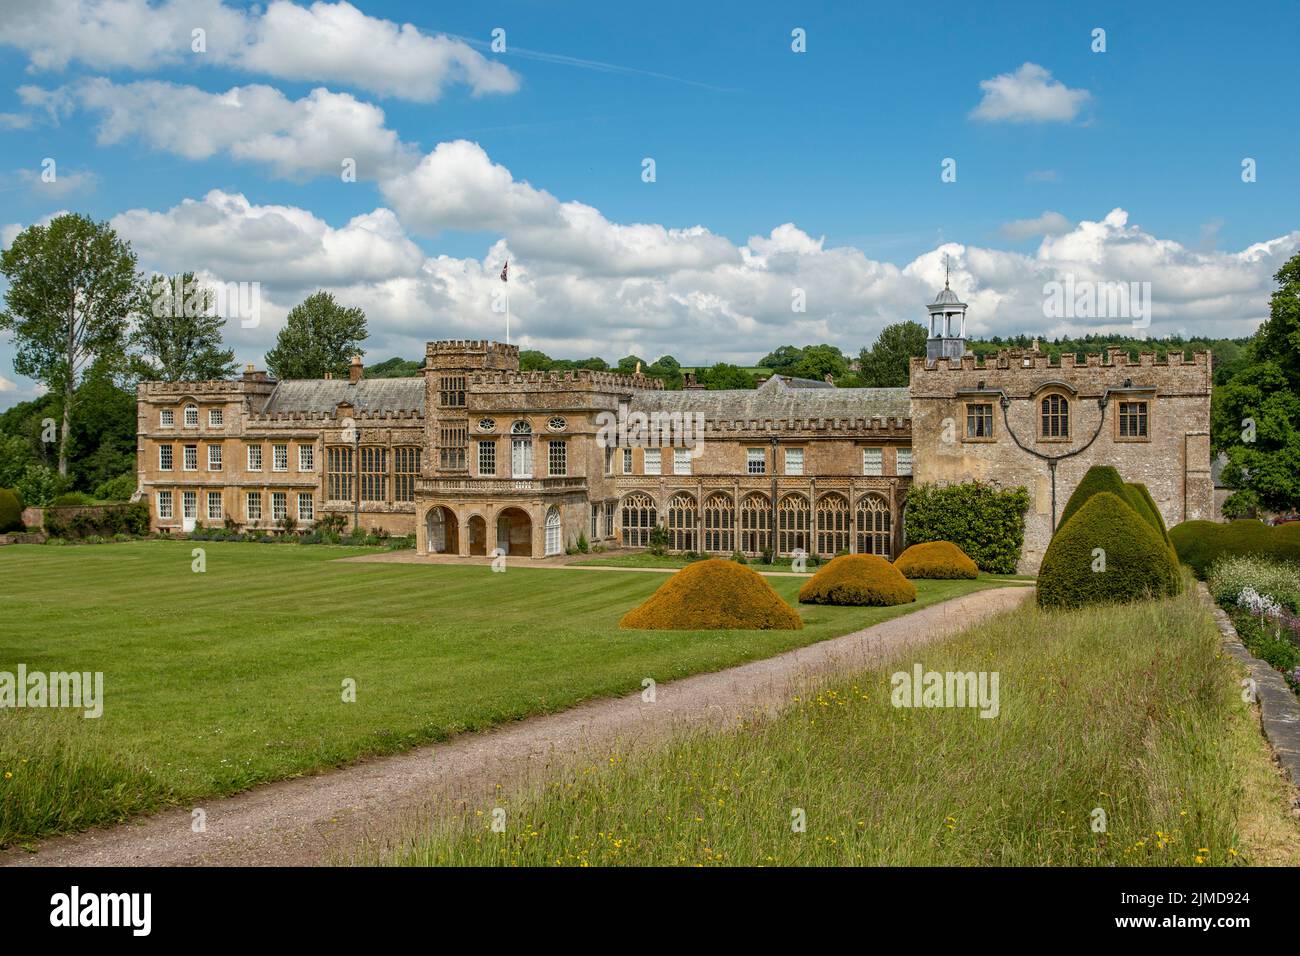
pixel 1279 708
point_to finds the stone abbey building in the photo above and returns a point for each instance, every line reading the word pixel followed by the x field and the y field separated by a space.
pixel 474 455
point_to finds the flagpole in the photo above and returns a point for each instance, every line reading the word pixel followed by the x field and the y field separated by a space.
pixel 507 315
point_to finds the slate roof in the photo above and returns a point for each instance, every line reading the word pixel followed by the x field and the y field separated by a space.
pixel 370 395
pixel 789 381
pixel 787 404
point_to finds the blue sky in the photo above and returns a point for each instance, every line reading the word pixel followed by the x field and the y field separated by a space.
pixel 842 142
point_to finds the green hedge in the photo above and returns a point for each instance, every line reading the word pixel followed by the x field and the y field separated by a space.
pixel 1153 509
pixel 1098 478
pixel 1106 478
pixel 103 520
pixel 1200 543
pixel 11 511
pixel 985 522
pixel 1134 562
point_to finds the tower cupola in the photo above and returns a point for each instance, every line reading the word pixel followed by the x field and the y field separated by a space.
pixel 947 324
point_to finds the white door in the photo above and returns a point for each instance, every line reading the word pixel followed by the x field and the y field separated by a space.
pixel 521 458
pixel 553 545
pixel 189 510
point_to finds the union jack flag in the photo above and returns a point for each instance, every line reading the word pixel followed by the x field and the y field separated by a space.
pixel 504 269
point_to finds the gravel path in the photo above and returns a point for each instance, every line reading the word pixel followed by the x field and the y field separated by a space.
pixel 329 817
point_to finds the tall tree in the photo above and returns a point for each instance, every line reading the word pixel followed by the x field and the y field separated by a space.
pixel 319 336
pixel 782 359
pixel 178 335
pixel 818 361
pixel 1256 416
pixel 72 288
pixel 886 363
pixel 723 375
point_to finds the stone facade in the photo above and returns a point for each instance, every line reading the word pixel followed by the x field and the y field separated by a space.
pixel 1020 419
pixel 475 455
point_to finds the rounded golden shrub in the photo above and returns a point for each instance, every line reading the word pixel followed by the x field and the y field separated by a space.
pixel 936 559
pixel 858 579
pixel 714 595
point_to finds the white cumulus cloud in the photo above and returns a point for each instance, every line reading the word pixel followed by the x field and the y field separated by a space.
pixel 1048 224
pixel 1029 95
pixel 295 138
pixel 321 43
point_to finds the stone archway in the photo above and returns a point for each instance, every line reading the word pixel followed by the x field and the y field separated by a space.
pixel 514 533
pixel 476 528
pixel 442 531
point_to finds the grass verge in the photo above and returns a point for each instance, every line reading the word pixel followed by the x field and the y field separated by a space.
pixel 1132 711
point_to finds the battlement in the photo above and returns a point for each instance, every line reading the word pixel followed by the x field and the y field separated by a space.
pixel 870 427
pixel 587 378
pixel 216 387
pixel 386 415
pixel 470 347
pixel 1014 359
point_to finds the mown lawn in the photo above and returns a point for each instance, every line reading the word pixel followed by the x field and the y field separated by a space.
pixel 1131 712
pixel 218 681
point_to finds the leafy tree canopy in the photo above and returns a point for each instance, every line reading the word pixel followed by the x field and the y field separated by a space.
pixel 1256 415
pixel 72 289
pixel 319 336
pixel 886 363
pixel 178 335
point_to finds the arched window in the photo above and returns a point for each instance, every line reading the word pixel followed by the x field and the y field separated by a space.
pixel 874 526
pixel 521 450
pixel 756 524
pixel 792 521
pixel 681 522
pixel 639 518
pixel 719 524
pixel 833 524
pixel 554 539
pixel 1056 416
pixel 191 418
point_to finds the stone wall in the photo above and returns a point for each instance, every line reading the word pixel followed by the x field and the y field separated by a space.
pixel 1173 460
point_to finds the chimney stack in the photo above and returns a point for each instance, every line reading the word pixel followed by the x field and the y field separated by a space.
pixel 355 370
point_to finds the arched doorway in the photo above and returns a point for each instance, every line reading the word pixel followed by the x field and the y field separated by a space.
pixel 476 527
pixel 441 529
pixel 515 533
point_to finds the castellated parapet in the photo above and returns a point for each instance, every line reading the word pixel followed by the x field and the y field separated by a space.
pixel 468 354
pixel 1021 418
pixel 568 379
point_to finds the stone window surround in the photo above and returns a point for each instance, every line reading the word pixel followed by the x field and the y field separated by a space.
pixel 1149 399
pixel 1068 396
pixel 992 436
